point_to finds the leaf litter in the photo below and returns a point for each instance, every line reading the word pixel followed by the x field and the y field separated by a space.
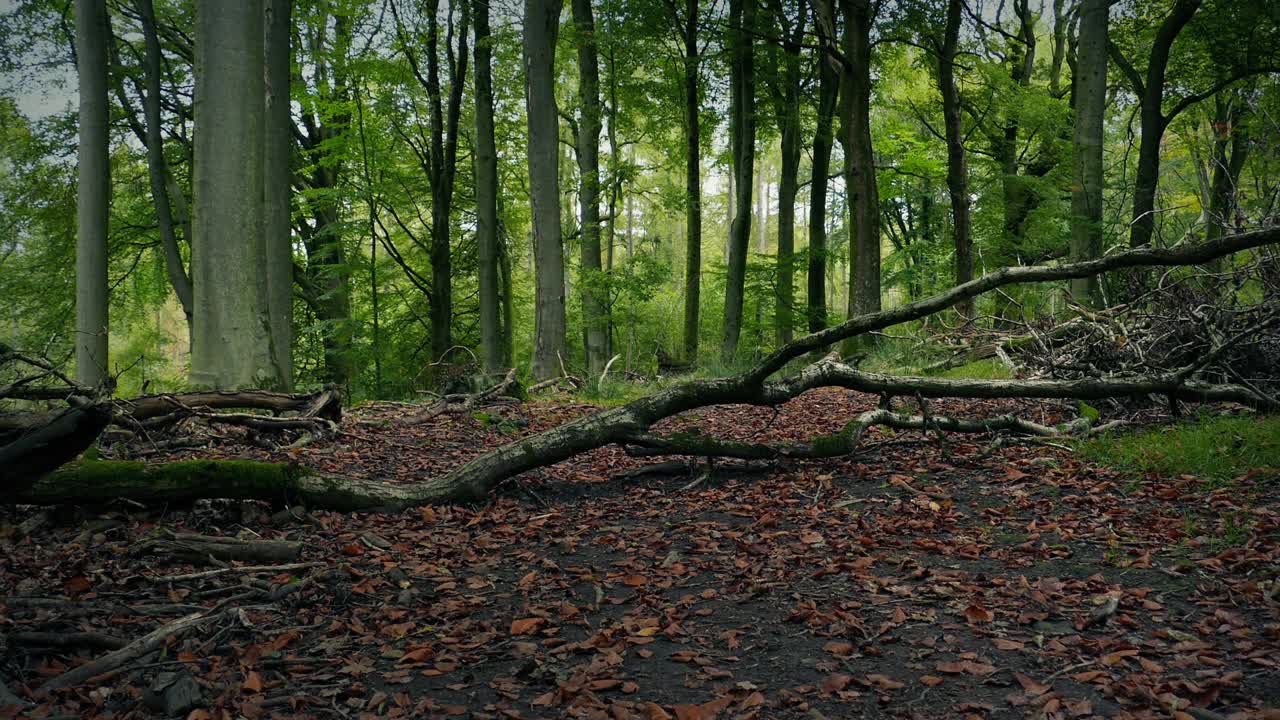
pixel 916 579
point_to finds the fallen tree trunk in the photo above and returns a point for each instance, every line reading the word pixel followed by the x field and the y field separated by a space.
pixel 630 423
pixel 325 404
pixel 33 454
pixel 200 548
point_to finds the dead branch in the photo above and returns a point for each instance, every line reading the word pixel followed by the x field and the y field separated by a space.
pixel 136 649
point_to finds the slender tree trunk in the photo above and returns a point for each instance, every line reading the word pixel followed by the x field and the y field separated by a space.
pixel 828 91
pixel 788 99
pixel 1227 165
pixel 742 140
pixel 1154 122
pixel 486 169
pixel 1090 92
pixel 278 187
pixel 157 166
pixel 93 198
pixel 541 25
pixel 957 170
pixel 1061 22
pixel 1017 192
pixel 595 318
pixel 232 331
pixel 693 183
pixel 860 171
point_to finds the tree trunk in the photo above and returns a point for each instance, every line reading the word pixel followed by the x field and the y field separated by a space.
pixel 1154 121
pixel 1018 195
pixel 742 141
pixel 828 90
pixel 693 183
pixel 595 318
pixel 860 171
pixel 486 169
pixel 1227 164
pixel 93 196
pixel 957 170
pixel 787 100
pixel 541 25
pixel 277 153
pixel 1090 92
pixel 231 338
pixel 158 167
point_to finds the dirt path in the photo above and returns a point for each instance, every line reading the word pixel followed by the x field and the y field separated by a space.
pixel 915 580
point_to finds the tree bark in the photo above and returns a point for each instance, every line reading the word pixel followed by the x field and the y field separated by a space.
pixel 157 166
pixel 231 339
pixel 828 90
pixel 1154 121
pixel 595 312
pixel 860 170
pixel 742 141
pixel 786 96
pixel 93 196
pixel 1090 92
pixel 957 168
pixel 693 183
pixel 541 25
pixel 277 152
pixel 1229 131
pixel 486 169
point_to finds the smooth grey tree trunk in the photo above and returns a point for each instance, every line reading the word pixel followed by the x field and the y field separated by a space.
pixel 486 169
pixel 742 141
pixel 278 187
pixel 93 196
pixel 232 331
pixel 595 319
pixel 541 25
pixel 1090 92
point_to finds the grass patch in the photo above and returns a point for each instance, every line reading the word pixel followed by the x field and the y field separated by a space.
pixel 1215 449
pixel 989 369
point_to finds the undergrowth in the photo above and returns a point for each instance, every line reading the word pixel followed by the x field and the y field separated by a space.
pixel 1216 449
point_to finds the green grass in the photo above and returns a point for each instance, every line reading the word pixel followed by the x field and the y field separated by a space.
pixel 989 369
pixel 1216 449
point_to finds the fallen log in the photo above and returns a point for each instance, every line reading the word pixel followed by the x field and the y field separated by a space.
pixel 325 404
pixel 200 548
pixel 474 480
pixel 44 449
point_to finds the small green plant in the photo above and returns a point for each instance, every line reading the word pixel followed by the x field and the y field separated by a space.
pixel 989 369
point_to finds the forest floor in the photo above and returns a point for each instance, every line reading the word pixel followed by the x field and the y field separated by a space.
pixel 919 579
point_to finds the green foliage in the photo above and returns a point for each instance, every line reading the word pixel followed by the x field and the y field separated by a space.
pixel 1216 449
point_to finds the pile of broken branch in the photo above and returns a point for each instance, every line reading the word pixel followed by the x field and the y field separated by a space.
pixel 1225 324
